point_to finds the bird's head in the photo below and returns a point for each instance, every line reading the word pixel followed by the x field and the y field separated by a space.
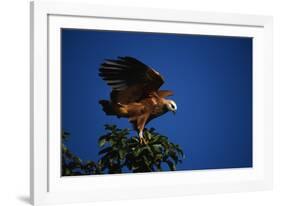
pixel 171 105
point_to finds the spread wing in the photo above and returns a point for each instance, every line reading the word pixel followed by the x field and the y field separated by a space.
pixel 130 79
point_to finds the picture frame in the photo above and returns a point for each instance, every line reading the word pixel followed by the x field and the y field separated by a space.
pixel 47 186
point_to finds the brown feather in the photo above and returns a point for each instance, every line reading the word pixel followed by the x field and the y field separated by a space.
pixel 135 91
pixel 164 93
pixel 130 79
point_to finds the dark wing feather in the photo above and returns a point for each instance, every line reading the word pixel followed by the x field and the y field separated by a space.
pixel 130 79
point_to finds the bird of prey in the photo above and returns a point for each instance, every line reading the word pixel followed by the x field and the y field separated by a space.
pixel 135 92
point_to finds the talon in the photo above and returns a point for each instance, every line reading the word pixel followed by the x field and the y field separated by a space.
pixel 142 139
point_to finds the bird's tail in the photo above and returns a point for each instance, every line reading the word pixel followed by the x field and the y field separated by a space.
pixel 107 107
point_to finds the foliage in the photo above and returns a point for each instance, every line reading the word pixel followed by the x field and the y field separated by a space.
pixel 73 165
pixel 119 152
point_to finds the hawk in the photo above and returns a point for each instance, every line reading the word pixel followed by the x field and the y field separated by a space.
pixel 135 92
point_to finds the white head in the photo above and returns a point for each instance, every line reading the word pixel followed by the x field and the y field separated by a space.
pixel 171 105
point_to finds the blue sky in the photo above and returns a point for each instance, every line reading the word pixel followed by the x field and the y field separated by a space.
pixel 211 77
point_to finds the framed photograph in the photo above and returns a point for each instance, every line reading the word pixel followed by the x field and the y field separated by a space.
pixel 141 103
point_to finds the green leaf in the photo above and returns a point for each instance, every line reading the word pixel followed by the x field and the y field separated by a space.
pixel 154 139
pixel 137 152
pixel 146 161
pixel 149 136
pixel 157 148
pixel 105 150
pixel 174 156
pixel 67 172
pixel 122 154
pixel 171 165
pixel 158 157
pixel 102 142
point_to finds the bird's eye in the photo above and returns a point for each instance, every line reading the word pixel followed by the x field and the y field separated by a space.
pixel 173 106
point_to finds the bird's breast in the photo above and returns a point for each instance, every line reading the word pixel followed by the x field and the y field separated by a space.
pixel 158 110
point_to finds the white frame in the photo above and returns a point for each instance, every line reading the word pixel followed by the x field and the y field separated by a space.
pixel 46 184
